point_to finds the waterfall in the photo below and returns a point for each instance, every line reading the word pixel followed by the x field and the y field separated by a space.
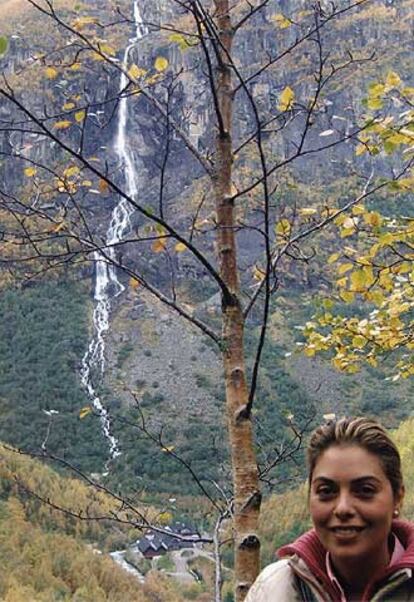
pixel 107 285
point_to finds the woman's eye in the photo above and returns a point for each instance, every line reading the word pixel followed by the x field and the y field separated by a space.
pixel 325 492
pixel 366 491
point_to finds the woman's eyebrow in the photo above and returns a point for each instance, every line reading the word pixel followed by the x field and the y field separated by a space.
pixel 366 478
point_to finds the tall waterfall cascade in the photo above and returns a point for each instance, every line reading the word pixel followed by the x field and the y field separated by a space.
pixel 107 284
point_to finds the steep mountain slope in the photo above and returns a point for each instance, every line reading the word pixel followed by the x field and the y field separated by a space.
pixel 48 555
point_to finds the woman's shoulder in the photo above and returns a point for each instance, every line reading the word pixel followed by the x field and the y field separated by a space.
pixel 276 577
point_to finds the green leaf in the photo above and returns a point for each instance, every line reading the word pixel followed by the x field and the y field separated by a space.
pixel 4 44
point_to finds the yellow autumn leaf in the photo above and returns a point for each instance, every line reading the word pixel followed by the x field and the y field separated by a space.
pixel 159 245
pixel 180 247
pixel 84 412
pixel 81 22
pixel 358 209
pixel 151 80
pixel 30 172
pixel 338 221
pixel 360 149
pixel 184 42
pixel 258 274
pixel 87 183
pixel 369 275
pixel 97 56
pixel 61 186
pixel 358 279
pixel 342 282
pixel 334 257
pixel 286 99
pixel 373 219
pixel 62 125
pixel 392 79
pixel 350 222
pixel 71 171
pixel 347 296
pixel 68 106
pixel 359 341
pixel 364 260
pixel 386 282
pixel 76 66
pixel 283 228
pixel 136 72
pixel 159 228
pixel 168 449
pixel 403 268
pixel 58 227
pixel 134 283
pixel 165 517
pixel 51 72
pixel 103 186
pixel 376 297
pixel 345 232
pixel 306 211
pixel 376 89
pixel 281 21
pixel 375 103
pixel 161 64
pixel 107 49
pixel 80 116
pixel 343 268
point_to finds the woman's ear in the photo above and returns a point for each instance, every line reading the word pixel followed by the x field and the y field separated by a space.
pixel 399 500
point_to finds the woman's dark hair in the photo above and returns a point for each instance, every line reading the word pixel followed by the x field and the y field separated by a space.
pixel 367 433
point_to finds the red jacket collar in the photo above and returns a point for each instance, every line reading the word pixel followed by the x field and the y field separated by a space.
pixel 309 547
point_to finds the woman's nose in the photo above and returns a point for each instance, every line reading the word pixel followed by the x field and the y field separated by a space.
pixel 344 506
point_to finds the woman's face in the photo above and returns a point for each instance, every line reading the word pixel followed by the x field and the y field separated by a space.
pixel 352 504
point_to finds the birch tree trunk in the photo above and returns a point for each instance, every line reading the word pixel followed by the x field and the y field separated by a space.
pixel 247 495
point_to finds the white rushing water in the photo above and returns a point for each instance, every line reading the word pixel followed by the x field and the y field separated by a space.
pixel 107 285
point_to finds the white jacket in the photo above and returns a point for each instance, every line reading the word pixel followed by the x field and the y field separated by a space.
pixel 304 562
pixel 276 583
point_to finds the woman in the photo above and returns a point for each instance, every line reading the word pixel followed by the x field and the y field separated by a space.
pixel 358 550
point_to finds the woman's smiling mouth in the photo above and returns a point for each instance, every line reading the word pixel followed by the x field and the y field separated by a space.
pixel 348 532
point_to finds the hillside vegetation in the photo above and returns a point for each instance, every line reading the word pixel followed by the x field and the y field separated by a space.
pixel 43 336
pixel 48 555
